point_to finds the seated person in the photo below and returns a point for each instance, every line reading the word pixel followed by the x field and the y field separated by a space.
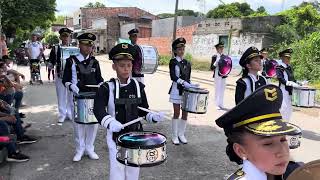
pixel 14 155
pixel 8 113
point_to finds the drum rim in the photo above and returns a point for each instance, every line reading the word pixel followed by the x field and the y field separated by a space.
pixel 194 112
pixel 91 95
pixel 121 144
pixel 143 165
pixel 203 91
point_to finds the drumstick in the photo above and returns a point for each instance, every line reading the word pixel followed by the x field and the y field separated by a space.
pixel 132 122
pixel 147 110
pixel 94 86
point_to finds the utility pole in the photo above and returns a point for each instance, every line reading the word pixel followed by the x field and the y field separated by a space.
pixel 175 21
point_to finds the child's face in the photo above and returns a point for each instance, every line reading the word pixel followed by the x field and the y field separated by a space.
pixel 268 154
pixel 180 51
pixel 85 49
pixel 220 50
pixel 123 68
pixel 286 59
pixel 255 64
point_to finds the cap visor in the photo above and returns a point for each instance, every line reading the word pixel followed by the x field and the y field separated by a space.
pixel 273 128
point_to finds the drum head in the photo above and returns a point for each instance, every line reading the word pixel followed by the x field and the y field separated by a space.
pixel 142 140
pixel 86 95
pixel 310 171
pixel 197 90
pixel 225 65
pixel 271 68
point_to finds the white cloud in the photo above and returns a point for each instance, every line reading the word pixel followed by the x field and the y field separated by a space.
pixel 67 7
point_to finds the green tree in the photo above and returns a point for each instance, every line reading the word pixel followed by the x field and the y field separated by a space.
pixel 23 15
pixel 231 10
pixel 224 11
pixel 59 19
pixel 298 23
pixel 51 39
pixel 95 5
pixel 186 12
pixel 165 15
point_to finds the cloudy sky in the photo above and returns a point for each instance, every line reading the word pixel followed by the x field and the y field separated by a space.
pixel 66 7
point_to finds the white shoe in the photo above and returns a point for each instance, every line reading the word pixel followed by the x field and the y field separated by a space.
pixel 78 156
pixel 61 119
pixel 181 130
pixel 92 155
pixel 175 139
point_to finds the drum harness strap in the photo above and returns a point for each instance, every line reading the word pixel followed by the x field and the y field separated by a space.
pixel 253 83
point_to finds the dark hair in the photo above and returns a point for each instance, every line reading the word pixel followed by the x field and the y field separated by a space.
pixel 245 70
pixel 236 136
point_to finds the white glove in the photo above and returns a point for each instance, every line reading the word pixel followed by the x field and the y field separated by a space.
pixel 155 117
pixel 195 85
pixel 186 84
pixel 291 83
pixel 115 126
pixel 158 117
pixel 74 88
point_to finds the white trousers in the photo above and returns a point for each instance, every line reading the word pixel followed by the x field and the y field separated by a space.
pixel 119 171
pixel 84 136
pixel 65 99
pixel 286 106
pixel 220 86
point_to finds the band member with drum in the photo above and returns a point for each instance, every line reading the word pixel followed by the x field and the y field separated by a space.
pixel 82 70
pixel 137 62
pixel 63 96
pixel 219 81
pixel 256 136
pixel 180 73
pixel 122 96
pixel 250 62
pixel 286 82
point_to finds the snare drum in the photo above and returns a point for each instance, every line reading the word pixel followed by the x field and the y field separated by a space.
pixel 195 100
pixel 83 108
pixel 303 96
pixel 141 149
pixel 150 59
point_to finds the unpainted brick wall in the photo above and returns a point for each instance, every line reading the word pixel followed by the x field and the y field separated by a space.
pixel 163 44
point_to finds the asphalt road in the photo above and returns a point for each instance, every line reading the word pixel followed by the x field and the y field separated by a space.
pixel 202 158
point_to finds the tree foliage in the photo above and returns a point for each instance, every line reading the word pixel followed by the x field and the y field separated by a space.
pixel 95 5
pixel 231 10
pixel 51 39
pixel 59 19
pixel 298 23
pixel 26 15
pixel 180 12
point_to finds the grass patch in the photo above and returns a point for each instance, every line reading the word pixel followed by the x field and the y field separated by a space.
pixel 196 64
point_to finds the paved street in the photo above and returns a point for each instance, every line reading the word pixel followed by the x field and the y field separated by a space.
pixel 203 158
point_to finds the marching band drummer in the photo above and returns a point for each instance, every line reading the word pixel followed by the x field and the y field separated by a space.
pixel 250 62
pixel 180 73
pixel 82 70
pixel 64 97
pixel 137 62
pixel 286 82
pixel 122 96
pixel 219 81
pixel 256 136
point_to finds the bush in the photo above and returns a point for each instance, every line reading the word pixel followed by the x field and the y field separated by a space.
pixel 51 39
pixel 164 60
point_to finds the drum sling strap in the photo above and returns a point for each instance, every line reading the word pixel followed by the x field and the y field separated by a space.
pixel 253 83
pixel 183 75
pixel 130 105
pixel 82 68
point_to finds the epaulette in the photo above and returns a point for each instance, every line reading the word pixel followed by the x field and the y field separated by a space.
pixel 237 175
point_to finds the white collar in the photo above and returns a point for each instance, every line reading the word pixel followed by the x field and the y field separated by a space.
pixel 283 64
pixel 252 172
pixel 128 82
pixel 254 77
pixel 178 58
pixel 80 57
